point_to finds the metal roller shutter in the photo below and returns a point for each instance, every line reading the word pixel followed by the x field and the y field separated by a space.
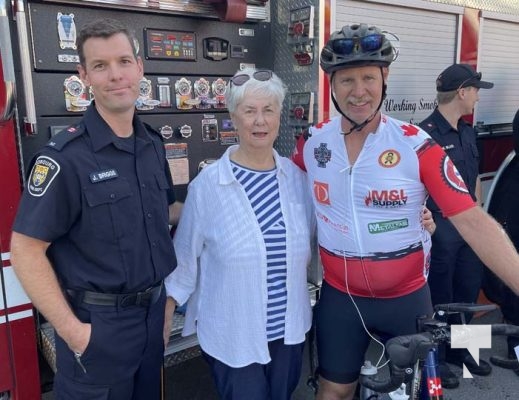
pixel 499 63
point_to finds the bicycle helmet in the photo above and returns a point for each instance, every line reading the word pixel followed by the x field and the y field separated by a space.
pixel 355 46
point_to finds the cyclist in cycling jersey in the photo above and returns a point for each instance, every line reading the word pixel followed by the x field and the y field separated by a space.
pixel 370 176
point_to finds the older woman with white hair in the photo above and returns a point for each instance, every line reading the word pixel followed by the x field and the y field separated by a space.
pixel 243 245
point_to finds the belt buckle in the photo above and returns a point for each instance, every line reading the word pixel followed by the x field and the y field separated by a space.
pixel 126 300
pixel 140 298
pixel 143 298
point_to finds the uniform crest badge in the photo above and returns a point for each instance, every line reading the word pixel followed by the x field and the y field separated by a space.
pixel 43 172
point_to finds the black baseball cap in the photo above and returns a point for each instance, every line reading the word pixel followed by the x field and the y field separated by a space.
pixel 459 76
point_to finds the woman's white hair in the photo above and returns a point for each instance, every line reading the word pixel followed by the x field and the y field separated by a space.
pixel 272 87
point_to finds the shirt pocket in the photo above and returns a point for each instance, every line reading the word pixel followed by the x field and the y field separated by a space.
pixel 162 182
pixel 106 205
pixel 163 199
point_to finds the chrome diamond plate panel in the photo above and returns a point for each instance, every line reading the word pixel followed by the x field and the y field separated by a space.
pixel 297 78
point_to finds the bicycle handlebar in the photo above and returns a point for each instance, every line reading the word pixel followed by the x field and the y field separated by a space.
pixel 404 351
pixel 464 307
pixel 505 330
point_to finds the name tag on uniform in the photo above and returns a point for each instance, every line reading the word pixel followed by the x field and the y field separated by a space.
pixel 105 175
pixel 448 147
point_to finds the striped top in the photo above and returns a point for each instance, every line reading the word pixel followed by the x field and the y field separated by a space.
pixel 262 190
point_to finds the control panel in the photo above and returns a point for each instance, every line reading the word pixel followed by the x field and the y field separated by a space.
pixel 170 45
pixel 187 65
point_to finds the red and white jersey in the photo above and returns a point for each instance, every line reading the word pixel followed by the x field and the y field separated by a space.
pixel 372 242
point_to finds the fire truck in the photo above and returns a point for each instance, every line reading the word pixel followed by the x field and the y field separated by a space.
pixel 189 50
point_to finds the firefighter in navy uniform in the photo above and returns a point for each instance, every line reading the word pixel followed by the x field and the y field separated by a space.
pixel 91 242
pixel 456 271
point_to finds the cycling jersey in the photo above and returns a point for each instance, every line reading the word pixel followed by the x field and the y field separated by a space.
pixel 372 242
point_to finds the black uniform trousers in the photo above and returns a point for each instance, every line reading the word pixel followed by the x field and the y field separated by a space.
pixel 123 358
pixel 273 381
pixel 455 273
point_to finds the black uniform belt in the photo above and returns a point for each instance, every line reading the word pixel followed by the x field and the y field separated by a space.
pixel 144 298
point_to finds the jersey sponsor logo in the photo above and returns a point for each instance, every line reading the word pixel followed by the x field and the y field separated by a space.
pixel 387 226
pixel 333 225
pixel 105 175
pixel 386 198
pixel 322 154
pixel 43 172
pixel 389 158
pixel 321 193
pixel 452 176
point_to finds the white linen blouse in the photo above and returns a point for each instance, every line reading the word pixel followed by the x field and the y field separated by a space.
pixel 222 263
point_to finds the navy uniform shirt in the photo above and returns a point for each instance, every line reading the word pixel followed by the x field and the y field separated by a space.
pixel 460 146
pixel 102 202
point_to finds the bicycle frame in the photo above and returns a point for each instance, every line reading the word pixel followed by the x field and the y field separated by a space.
pixel 426 383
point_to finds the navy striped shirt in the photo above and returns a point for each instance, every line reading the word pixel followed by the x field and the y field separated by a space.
pixel 263 193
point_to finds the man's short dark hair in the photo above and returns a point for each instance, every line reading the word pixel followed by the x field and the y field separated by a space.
pixel 446 97
pixel 102 28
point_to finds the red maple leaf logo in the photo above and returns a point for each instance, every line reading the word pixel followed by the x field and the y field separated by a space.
pixel 410 130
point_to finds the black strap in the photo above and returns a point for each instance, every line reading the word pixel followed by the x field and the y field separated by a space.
pixel 143 298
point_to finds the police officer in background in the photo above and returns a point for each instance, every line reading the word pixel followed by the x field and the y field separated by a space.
pixel 456 271
pixel 91 242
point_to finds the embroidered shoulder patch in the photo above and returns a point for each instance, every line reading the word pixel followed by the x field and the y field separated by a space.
pixel 43 172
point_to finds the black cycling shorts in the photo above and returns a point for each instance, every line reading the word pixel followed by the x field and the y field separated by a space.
pixel 341 339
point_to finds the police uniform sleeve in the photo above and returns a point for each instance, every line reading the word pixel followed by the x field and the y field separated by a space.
pixel 51 198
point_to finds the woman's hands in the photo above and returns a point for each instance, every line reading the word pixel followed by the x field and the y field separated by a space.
pixel 168 319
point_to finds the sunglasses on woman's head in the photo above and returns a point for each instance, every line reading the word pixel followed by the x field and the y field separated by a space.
pixel 261 75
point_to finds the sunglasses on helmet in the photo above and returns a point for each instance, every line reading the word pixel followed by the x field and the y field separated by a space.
pixel 261 75
pixel 354 45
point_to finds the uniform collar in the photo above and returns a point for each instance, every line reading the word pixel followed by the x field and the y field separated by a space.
pixel 225 166
pixel 101 134
pixel 443 125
